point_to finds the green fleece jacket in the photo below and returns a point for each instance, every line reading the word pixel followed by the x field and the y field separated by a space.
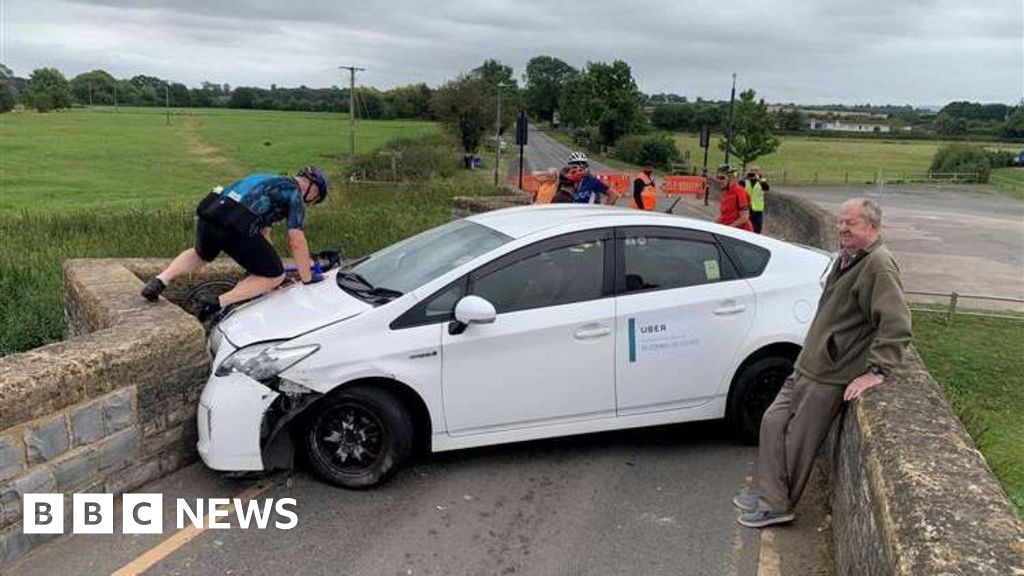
pixel 862 321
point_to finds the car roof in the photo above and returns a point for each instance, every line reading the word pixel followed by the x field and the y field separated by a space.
pixel 524 221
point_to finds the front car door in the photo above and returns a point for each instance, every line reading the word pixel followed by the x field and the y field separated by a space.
pixel 549 356
pixel 682 314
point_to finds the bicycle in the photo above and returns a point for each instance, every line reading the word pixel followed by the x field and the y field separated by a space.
pixel 323 261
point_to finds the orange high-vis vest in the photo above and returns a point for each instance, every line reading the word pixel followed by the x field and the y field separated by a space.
pixel 649 194
pixel 546 192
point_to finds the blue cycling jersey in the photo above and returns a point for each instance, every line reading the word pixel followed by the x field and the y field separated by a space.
pixel 271 197
pixel 588 188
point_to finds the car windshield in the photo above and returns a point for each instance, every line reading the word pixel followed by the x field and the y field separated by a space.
pixel 413 262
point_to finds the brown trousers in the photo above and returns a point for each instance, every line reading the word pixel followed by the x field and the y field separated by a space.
pixel 792 431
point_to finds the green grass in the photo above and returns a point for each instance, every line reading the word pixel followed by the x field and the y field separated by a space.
pixel 977 363
pixel 359 219
pixel 1009 181
pixel 94 183
pixel 807 159
pixel 90 158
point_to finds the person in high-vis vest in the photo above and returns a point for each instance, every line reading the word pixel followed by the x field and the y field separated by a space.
pixel 547 185
pixel 645 193
pixel 756 186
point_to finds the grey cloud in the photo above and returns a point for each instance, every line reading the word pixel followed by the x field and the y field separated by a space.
pixel 920 51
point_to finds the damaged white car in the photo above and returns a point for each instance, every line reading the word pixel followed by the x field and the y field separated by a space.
pixel 512 325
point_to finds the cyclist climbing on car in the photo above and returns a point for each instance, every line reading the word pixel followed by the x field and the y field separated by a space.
pixel 237 220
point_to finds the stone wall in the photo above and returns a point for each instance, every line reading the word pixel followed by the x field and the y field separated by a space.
pixel 108 409
pixel 794 219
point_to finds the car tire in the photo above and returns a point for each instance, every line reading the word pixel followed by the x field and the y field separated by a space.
pixel 753 391
pixel 358 437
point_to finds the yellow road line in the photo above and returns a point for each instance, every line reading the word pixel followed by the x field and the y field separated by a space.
pixel 147 559
pixel 768 562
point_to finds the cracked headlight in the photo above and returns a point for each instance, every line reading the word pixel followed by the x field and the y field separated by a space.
pixel 263 362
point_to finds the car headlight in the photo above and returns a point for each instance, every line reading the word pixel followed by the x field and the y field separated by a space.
pixel 264 361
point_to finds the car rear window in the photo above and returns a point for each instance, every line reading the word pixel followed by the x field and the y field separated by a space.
pixel 750 260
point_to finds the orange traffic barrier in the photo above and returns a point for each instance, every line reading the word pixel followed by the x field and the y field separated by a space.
pixel 695 185
pixel 620 183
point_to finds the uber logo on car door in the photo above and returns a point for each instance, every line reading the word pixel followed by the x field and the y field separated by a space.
pixel 653 335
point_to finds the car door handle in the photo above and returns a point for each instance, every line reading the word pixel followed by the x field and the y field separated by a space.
pixel 589 333
pixel 730 310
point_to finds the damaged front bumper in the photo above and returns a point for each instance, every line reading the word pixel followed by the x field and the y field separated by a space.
pixel 245 425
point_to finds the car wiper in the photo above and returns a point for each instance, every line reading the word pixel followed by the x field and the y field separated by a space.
pixel 365 287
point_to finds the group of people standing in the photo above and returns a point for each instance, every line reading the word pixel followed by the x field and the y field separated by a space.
pixel 741 205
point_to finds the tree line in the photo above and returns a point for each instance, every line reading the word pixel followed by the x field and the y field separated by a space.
pixel 48 89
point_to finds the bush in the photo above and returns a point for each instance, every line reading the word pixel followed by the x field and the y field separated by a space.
pixel 962 159
pixel 589 136
pixel 654 149
pixel 1000 158
pixel 417 158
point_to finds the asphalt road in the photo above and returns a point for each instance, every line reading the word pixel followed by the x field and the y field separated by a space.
pixel 653 501
pixel 543 152
pixel 947 239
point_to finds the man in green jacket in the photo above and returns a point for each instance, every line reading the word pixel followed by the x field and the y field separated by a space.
pixel 859 334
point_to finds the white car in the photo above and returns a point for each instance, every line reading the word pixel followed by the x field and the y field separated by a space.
pixel 511 325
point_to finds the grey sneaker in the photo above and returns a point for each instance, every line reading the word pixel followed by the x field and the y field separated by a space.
pixel 746 502
pixel 763 518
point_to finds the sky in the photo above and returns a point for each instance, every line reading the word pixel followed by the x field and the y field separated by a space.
pixel 919 52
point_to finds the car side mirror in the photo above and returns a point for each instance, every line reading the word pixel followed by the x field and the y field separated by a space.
pixel 471 310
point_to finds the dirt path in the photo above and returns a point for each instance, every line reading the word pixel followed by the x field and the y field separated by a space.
pixel 206 152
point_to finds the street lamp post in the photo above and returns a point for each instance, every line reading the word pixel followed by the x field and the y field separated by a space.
pixel 497 134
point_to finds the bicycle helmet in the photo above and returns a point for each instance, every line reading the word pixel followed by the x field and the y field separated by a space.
pixel 577 158
pixel 316 176
pixel 571 174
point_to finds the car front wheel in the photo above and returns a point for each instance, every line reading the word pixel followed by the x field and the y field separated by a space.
pixel 358 437
pixel 754 390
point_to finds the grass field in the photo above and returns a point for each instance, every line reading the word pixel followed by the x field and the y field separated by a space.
pixel 87 158
pixel 833 160
pixel 1009 181
pixel 92 183
pixel 977 363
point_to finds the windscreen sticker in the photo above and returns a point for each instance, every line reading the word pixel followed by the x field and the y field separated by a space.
pixel 656 336
pixel 711 270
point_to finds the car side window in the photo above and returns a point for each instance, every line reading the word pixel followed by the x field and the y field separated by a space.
pixel 662 262
pixel 749 259
pixel 561 273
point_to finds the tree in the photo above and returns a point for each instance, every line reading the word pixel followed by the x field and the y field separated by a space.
pixel 949 125
pixel 6 98
pixel 789 120
pixel 48 90
pixel 752 134
pixel 604 96
pixel 411 101
pixel 545 78
pixel 463 107
pixel 96 87
pixel 674 117
pixel 494 74
pixel 1014 125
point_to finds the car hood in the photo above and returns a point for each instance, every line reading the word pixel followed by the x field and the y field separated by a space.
pixel 289 312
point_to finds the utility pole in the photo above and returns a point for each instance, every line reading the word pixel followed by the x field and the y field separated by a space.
pixel 352 109
pixel 728 127
pixel 497 133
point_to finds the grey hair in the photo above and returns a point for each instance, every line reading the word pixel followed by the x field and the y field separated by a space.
pixel 869 208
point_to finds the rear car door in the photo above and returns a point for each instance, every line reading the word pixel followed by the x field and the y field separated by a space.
pixel 682 315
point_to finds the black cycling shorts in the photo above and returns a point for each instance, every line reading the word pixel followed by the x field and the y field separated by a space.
pixel 253 253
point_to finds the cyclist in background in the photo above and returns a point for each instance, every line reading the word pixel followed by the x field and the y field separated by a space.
pixel 237 220
pixel 591 189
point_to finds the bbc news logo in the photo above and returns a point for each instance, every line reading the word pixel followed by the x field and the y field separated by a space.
pixel 144 513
